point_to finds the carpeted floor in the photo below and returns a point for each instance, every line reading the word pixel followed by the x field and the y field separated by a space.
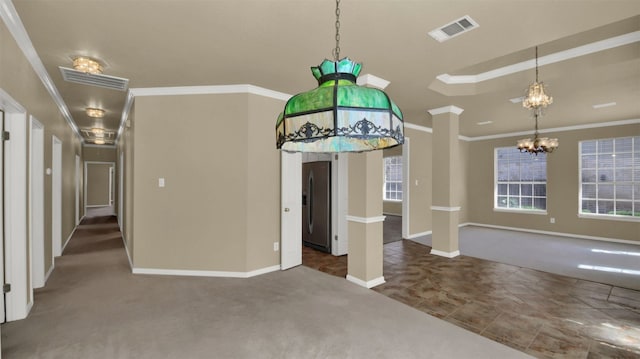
pixel 93 307
pixel 617 264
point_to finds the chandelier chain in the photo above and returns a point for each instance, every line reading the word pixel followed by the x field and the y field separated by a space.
pixel 536 63
pixel 336 50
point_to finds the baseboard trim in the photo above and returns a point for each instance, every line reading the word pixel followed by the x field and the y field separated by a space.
pixel 445 254
pixel 126 249
pixel 366 220
pixel 68 239
pixel 202 273
pixel 416 235
pixel 46 276
pixel 559 234
pixel 367 284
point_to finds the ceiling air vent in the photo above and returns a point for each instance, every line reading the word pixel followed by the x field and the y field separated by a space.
pixel 453 29
pixel 106 81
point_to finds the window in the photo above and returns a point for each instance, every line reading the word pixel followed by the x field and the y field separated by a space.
pixel 393 178
pixel 520 180
pixel 610 177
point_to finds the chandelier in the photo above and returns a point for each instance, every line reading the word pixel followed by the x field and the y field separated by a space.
pixel 87 65
pixel 537 144
pixel 339 115
pixel 536 99
pixel 94 112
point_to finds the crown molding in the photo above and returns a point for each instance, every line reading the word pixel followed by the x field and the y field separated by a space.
pixel 209 90
pixel 418 127
pixel 15 26
pixel 544 60
pixel 373 81
pixel 446 109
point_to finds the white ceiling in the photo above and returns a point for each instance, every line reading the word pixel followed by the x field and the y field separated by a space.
pixel 272 44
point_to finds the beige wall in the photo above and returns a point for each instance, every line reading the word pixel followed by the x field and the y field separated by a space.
pixel 125 146
pixel 18 79
pixel 99 154
pixel 219 210
pixel 562 188
pixel 98 184
pixel 420 164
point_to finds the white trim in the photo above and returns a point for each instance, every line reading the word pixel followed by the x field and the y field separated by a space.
pixel 583 50
pixel 98 146
pixel 392 214
pixel 559 234
pixel 125 114
pixel 36 204
pixel 608 217
pixel 48 274
pixel 406 178
pixel 445 209
pixel 416 235
pixel 373 81
pixel 68 239
pixel 12 20
pixel 126 249
pixel 210 90
pixel 558 129
pixel 418 127
pixel 367 284
pixel 203 273
pixel 365 220
pixel 521 211
pixel 445 254
pixel 446 109
pixel 56 196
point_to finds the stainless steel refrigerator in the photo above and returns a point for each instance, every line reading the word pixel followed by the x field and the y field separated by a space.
pixel 316 205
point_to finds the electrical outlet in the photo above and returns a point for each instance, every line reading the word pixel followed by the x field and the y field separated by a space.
pixel 552 220
pixel 276 246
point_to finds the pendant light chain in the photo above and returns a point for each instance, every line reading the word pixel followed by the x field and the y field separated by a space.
pixel 536 63
pixel 336 51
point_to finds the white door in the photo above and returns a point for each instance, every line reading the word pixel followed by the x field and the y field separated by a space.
pixel 77 180
pixel 56 197
pixel 291 210
pixel 2 316
pixel 36 208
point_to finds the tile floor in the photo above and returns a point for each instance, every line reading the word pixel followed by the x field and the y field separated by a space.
pixel 542 314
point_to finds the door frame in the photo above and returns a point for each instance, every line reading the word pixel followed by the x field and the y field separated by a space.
pixel 290 210
pixel 77 190
pixel 36 204
pixel 112 166
pixel 121 190
pixel 56 197
pixel 15 210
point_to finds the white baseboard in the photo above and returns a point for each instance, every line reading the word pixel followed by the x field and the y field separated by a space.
pixel 68 239
pixel 368 284
pixel 202 273
pixel 416 235
pixel 559 234
pixel 445 254
pixel 392 214
pixel 126 249
pixel 46 276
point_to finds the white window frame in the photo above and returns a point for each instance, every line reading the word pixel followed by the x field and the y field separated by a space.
pixel 634 180
pixel 384 179
pixel 496 208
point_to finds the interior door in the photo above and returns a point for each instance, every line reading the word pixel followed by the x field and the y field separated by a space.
pixel 316 205
pixel 291 210
pixel 3 317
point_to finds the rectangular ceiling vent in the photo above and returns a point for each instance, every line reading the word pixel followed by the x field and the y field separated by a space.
pixel 453 29
pixel 105 81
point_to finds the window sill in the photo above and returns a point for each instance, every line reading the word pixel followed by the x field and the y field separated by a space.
pixel 392 200
pixel 522 211
pixel 608 217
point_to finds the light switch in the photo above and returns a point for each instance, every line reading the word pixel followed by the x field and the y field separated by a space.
pixel 160 182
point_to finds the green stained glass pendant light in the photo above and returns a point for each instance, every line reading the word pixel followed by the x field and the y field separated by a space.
pixel 339 115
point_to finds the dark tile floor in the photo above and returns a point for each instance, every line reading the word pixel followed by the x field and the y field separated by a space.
pixel 542 314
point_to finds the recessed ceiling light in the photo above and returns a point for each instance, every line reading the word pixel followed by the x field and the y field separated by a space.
pixel 98 142
pixel 602 105
pixel 517 99
pixel 484 123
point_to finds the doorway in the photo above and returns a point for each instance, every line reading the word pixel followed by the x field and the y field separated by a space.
pixel 36 203
pixel 99 188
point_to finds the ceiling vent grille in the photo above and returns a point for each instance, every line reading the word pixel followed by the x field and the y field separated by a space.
pixel 453 29
pixel 105 81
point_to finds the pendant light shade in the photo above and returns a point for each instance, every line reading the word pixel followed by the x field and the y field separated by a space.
pixel 339 115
